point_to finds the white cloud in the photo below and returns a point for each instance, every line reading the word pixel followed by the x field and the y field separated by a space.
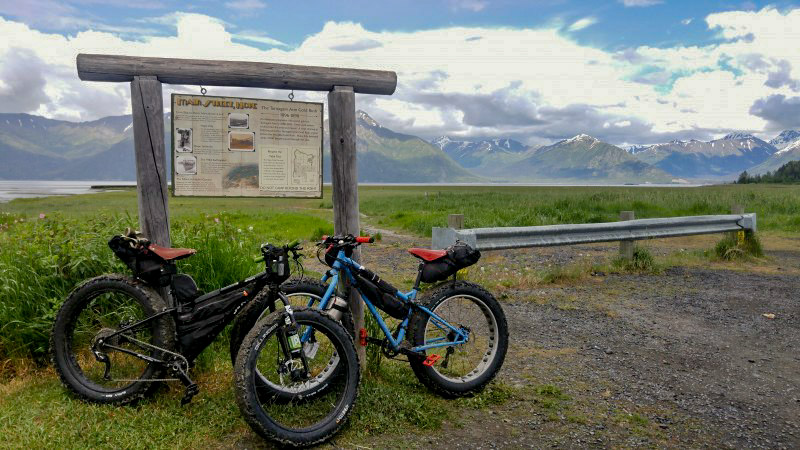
pixel 640 3
pixel 582 23
pixel 531 84
pixel 687 21
pixel 246 5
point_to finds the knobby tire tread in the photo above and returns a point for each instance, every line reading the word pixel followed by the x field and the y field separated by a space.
pixel 165 333
pixel 247 396
pixel 427 375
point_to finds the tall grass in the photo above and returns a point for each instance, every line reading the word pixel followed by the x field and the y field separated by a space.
pixel 420 208
pixel 43 259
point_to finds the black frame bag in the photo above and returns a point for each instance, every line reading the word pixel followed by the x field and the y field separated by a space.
pixel 459 256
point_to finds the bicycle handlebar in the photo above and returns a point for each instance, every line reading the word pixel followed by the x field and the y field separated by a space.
pixel 349 239
pixel 289 247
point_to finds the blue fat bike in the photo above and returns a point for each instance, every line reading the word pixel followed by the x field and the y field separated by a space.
pixel 454 336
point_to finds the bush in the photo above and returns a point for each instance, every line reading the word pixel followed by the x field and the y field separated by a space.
pixel 642 262
pixel 729 248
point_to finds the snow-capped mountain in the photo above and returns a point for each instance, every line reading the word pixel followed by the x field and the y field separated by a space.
pixel 727 156
pixel 789 153
pixel 784 139
pixel 634 149
pixel 584 157
pixel 477 153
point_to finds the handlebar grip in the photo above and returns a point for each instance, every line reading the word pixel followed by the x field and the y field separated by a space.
pixel 365 239
pixel 258 259
pixel 293 244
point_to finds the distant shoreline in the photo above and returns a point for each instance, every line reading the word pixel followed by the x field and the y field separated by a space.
pixel 13 189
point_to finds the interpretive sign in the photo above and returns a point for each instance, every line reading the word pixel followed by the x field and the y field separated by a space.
pixel 244 147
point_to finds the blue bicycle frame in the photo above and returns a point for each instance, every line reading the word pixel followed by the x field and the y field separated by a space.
pixel 343 264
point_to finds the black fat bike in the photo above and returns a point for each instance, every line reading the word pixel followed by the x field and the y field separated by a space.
pixel 115 337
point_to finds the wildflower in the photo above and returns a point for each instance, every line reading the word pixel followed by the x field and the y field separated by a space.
pixel 216 219
pixel 250 228
pixel 238 230
pixel 42 216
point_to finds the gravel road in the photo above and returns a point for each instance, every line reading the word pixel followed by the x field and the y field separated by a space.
pixel 684 358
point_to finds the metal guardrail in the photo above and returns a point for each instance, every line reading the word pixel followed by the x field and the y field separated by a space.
pixel 629 230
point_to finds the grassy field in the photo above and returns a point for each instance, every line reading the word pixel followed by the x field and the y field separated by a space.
pixel 48 245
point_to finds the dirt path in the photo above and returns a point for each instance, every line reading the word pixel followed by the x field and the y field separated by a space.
pixel 684 358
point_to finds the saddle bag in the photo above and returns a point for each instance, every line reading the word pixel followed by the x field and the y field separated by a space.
pixel 381 294
pixel 459 256
pixel 143 263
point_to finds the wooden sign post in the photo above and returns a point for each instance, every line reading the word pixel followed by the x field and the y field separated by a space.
pixel 146 76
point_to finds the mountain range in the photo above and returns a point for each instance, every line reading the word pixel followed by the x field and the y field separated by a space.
pixel 33 147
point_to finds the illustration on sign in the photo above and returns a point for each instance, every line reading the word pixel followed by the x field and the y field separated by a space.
pixel 224 146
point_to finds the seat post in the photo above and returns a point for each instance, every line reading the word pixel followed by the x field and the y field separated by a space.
pixel 419 276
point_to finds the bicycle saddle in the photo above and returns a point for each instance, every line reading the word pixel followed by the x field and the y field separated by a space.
pixel 170 254
pixel 426 254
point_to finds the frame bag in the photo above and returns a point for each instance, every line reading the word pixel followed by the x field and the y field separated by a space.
pixel 381 294
pixel 459 256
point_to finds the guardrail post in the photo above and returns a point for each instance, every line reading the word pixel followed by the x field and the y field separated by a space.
pixel 737 236
pixel 455 221
pixel 626 246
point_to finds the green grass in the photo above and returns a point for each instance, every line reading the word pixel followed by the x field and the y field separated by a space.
pixel 418 209
pixel 42 260
pixel 37 409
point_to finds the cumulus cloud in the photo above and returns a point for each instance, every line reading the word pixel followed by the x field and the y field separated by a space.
pixel 782 76
pixel 530 84
pixel 781 112
pixel 22 84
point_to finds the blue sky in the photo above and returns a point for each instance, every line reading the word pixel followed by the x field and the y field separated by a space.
pixel 628 71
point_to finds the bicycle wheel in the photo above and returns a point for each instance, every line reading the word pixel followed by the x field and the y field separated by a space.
pixel 299 420
pixel 299 292
pixel 82 337
pixel 465 368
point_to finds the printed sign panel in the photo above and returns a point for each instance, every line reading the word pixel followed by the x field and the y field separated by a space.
pixel 245 147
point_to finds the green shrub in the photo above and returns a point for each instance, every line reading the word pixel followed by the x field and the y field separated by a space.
pixel 642 262
pixel 729 248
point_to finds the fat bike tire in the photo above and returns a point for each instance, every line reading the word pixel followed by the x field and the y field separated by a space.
pixel 259 307
pixel 250 401
pixel 496 340
pixel 63 356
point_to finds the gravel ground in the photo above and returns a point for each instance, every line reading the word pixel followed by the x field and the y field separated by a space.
pixel 684 358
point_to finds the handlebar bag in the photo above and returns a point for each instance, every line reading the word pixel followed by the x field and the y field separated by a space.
pixel 459 256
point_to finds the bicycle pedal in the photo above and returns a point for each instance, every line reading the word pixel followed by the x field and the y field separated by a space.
pixel 191 390
pixel 431 360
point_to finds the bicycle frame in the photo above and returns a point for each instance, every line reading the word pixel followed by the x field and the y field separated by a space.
pixel 343 264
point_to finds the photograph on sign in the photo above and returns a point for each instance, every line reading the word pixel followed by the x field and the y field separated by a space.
pixel 243 147
pixel 241 142
pixel 184 143
pixel 186 165
pixel 237 120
